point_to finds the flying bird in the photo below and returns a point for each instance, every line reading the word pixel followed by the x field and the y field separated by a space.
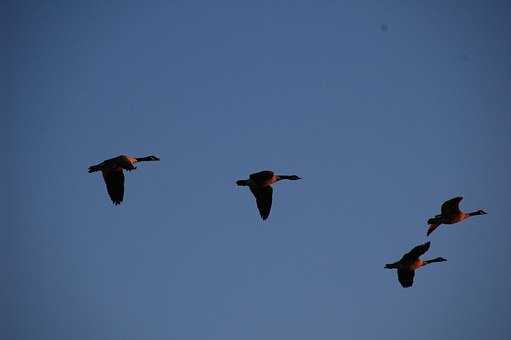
pixel 112 170
pixel 450 214
pixel 260 186
pixel 410 262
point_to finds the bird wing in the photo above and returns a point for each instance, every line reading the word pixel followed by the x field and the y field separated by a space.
pixel 416 252
pixel 432 228
pixel 451 206
pixel 261 177
pixel 405 277
pixel 114 180
pixel 263 196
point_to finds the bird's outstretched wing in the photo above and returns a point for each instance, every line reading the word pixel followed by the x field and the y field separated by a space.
pixel 263 196
pixel 432 228
pixel 114 180
pixel 416 252
pixel 405 277
pixel 451 206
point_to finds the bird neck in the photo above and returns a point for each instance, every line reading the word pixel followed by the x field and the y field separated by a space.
pixel 281 177
pixel 437 259
pixel 143 159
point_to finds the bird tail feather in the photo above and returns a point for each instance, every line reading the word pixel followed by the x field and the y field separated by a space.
pixel 94 168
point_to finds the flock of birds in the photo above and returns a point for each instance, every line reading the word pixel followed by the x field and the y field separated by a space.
pixel 260 184
pixel 450 213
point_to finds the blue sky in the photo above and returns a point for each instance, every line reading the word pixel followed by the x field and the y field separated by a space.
pixel 382 125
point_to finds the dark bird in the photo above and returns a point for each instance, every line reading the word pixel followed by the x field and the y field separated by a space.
pixel 112 170
pixel 410 262
pixel 450 214
pixel 260 185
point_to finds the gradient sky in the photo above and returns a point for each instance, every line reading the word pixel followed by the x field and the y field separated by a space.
pixel 382 124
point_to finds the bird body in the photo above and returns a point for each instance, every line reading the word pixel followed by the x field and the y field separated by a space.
pixel 113 175
pixel 416 264
pixel 410 265
pixel 260 184
pixel 410 262
pixel 451 214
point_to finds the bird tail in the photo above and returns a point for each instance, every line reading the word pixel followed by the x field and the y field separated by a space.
pixel 390 266
pixel 242 182
pixel 94 168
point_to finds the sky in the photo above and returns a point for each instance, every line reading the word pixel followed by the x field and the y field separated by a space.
pixel 385 109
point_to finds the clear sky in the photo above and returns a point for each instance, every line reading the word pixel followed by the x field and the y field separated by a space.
pixel 384 108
